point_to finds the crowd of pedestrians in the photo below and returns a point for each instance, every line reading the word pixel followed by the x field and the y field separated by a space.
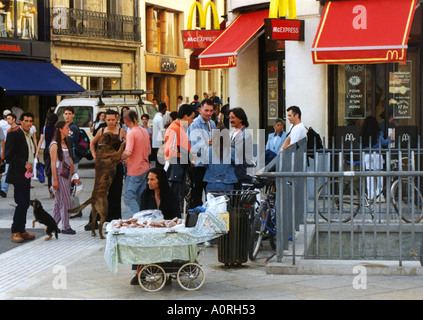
pixel 179 146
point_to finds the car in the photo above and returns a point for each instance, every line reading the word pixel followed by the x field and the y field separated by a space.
pixel 86 109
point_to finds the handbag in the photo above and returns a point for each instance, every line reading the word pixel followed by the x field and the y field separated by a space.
pixel 65 172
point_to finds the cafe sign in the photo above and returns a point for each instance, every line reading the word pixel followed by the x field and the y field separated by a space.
pixel 277 27
pixel 202 38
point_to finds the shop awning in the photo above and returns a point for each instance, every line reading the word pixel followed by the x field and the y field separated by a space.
pixel 223 52
pixel 35 79
pixel 363 31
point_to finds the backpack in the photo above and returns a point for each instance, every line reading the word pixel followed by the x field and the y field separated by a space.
pixel 82 150
pixel 313 139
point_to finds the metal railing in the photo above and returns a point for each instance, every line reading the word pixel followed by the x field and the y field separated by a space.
pixel 93 24
pixel 342 204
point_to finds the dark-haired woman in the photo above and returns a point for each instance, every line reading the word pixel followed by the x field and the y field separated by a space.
pixel 46 137
pixel 157 195
pixel 62 170
pixel 371 133
pixel 100 122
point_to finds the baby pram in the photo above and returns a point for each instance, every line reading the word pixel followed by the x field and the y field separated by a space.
pixel 166 252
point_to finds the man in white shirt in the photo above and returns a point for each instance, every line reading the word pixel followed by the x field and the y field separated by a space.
pixel 298 130
pixel 158 133
pixel 4 125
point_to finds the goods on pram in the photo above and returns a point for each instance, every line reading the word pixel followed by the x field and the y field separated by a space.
pixel 135 223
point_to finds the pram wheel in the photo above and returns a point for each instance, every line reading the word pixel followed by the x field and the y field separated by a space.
pixel 191 276
pixel 152 278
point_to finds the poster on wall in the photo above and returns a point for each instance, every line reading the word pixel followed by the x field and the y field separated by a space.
pixel 272 88
pixel 400 83
pixel 355 91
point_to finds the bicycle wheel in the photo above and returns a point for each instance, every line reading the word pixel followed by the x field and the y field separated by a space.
pixel 335 206
pixel 410 201
pixel 257 232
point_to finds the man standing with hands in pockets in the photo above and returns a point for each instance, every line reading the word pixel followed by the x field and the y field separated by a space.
pixel 200 134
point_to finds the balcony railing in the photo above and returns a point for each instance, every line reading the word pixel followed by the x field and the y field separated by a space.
pixel 92 24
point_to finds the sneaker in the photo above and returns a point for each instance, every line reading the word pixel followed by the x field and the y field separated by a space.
pixel 76 215
pixel 3 194
pixel 69 231
pixel 87 227
pixel 381 199
pixel 207 244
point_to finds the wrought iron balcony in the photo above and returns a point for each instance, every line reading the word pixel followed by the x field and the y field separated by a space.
pixel 101 25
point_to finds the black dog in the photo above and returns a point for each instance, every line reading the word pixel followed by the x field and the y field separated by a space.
pixel 45 218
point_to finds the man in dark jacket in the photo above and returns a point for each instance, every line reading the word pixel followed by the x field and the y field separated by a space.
pixel 20 153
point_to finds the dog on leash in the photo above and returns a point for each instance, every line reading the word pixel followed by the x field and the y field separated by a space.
pixel 107 158
pixel 45 218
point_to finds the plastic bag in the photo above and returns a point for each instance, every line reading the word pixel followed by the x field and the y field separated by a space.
pixel 216 205
pixel 149 215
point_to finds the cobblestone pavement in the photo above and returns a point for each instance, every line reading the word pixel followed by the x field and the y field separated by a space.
pixel 73 267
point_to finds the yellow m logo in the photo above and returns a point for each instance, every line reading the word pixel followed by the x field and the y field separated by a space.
pixel 279 8
pixel 203 15
pixel 392 55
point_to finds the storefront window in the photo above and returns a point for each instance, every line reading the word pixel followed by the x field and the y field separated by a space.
pixel 96 83
pixel 389 92
pixel 19 19
pixel 172 33
pixel 363 90
pixel 162 34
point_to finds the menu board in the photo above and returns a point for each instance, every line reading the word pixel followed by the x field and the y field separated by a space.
pixel 355 91
pixel 400 84
pixel 272 89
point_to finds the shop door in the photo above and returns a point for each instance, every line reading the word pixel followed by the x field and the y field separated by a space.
pixel 389 92
pixel 273 97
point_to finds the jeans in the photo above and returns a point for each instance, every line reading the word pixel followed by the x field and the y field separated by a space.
pixel 4 184
pixel 134 186
pixel 373 162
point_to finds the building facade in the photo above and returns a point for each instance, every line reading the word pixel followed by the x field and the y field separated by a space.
pixel 97 43
pixel 325 73
pixel 24 37
pixel 165 62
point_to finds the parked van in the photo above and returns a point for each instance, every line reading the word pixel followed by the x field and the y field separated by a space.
pixel 86 109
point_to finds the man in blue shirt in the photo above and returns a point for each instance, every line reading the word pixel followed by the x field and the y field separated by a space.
pixel 200 134
pixel 275 141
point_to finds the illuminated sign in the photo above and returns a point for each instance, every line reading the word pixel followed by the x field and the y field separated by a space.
pixel 196 39
pixel 281 29
pixel 280 8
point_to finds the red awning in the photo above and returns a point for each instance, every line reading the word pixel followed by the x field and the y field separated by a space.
pixel 363 31
pixel 222 53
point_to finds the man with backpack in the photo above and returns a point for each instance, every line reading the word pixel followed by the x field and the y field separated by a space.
pixel 74 137
pixel 298 130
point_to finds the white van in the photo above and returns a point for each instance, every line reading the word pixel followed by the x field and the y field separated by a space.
pixel 86 109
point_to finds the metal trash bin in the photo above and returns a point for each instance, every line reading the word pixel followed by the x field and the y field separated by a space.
pixel 233 246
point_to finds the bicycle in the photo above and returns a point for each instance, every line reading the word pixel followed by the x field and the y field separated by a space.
pixel 264 224
pixel 345 199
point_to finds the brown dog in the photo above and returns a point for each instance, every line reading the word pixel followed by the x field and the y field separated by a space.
pixel 107 158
